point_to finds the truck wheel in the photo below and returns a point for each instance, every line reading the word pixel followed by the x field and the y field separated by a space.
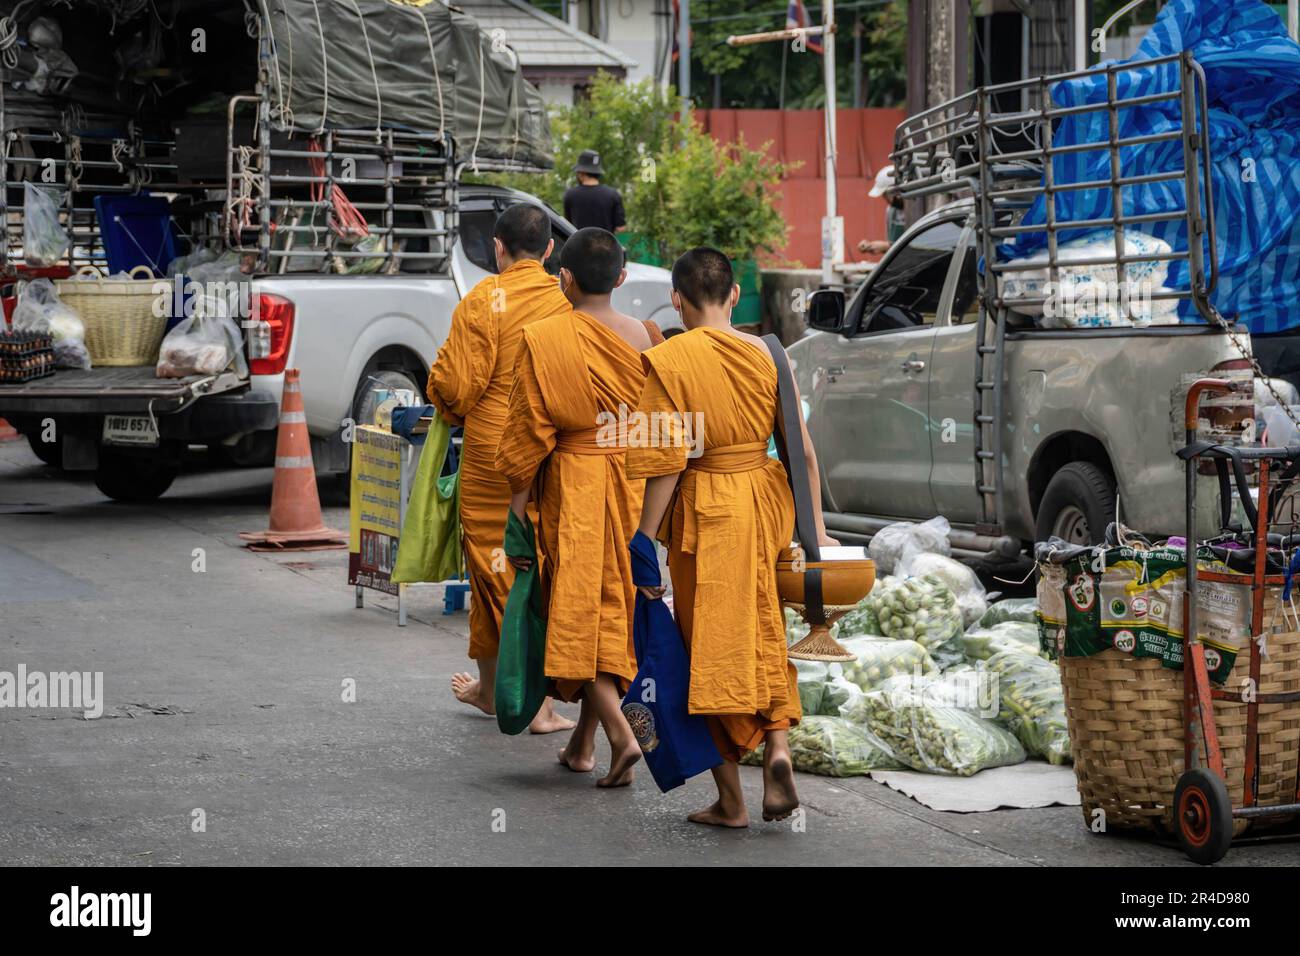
pixel 133 478
pixel 50 452
pixel 1078 505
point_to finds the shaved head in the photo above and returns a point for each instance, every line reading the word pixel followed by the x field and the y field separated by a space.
pixel 703 277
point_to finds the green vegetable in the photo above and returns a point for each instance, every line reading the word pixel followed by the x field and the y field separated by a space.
pixel 879 658
pixel 1032 703
pixel 931 735
pixel 832 747
pixel 812 677
pixel 1024 610
pixel 860 621
pixel 981 643
pixel 795 628
pixel 837 694
pixel 922 610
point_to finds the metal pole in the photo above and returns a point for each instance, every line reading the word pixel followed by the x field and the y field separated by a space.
pixel 684 54
pixel 857 63
pixel 1293 19
pixel 832 224
pixel 1080 34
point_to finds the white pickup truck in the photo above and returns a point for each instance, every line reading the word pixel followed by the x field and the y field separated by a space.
pixel 348 334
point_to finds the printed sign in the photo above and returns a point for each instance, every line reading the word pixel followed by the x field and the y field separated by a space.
pixel 376 508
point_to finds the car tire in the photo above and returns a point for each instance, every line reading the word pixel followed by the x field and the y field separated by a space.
pixel 336 489
pixel 1078 504
pixel 49 452
pixel 133 478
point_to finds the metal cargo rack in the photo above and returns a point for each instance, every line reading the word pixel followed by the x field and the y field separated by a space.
pixel 1004 160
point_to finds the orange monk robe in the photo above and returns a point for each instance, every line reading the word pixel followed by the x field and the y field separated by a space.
pixel 575 374
pixel 470 384
pixel 732 514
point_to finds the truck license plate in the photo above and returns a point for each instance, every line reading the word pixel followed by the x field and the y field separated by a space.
pixel 130 430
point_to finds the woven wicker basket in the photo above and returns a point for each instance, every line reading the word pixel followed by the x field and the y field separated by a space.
pixel 1125 716
pixel 121 328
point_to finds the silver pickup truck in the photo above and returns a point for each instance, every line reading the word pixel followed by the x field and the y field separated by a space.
pixel 1088 415
pixel 935 391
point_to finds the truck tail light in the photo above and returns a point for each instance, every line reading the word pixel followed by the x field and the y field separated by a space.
pixel 270 335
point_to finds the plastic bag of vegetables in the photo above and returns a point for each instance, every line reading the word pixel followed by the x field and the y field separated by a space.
pixel 812 677
pixel 1024 610
pixel 980 643
pixel 892 543
pixel 931 737
pixel 921 610
pixel 860 621
pixel 795 627
pixel 956 577
pixel 1032 703
pixel 880 658
pixel 838 694
pixel 832 747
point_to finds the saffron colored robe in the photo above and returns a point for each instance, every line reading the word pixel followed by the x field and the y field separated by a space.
pixel 574 376
pixel 730 517
pixel 470 384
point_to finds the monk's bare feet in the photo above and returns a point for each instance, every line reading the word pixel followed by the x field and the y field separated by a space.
pixel 779 796
pixel 578 763
pixel 717 816
pixel 470 691
pixel 551 723
pixel 620 767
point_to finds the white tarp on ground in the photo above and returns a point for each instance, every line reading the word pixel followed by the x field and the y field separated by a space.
pixel 1023 786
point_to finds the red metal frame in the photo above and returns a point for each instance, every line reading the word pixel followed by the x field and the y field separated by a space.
pixel 1201 731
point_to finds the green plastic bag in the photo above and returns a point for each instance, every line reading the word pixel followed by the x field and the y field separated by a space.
pixel 429 547
pixel 521 659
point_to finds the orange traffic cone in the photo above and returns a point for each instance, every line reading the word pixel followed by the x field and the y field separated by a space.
pixel 296 523
pixel 8 432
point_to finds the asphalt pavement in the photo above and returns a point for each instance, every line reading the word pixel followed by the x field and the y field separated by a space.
pixel 224 705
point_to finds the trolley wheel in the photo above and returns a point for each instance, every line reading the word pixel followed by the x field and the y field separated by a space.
pixel 1203 815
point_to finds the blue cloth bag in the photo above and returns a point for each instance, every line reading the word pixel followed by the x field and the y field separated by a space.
pixel 676 745
pixel 1252 72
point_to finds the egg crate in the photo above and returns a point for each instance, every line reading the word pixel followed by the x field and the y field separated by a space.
pixel 25 357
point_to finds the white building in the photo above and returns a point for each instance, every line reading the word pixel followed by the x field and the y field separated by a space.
pixel 642 29
pixel 560 58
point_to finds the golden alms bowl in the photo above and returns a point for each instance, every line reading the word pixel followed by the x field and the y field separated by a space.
pixel 847 575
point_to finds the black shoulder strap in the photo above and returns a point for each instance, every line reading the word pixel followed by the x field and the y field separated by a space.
pixel 788 432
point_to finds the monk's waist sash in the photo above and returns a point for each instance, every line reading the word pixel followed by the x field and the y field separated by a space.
pixel 729 459
pixel 584 443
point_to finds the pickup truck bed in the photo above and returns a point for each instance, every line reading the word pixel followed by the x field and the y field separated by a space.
pixel 128 389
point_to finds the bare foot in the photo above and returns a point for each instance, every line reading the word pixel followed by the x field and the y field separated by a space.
pixel 578 763
pixel 620 767
pixel 470 691
pixel 550 724
pixel 779 796
pixel 715 816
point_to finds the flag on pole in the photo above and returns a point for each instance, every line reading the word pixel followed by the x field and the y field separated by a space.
pixel 796 17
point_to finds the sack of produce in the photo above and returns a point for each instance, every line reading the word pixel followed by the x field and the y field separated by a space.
pixel 921 610
pixel 980 643
pixel 838 695
pixel 206 343
pixel 1032 703
pixel 45 241
pixel 812 677
pixel 1024 610
pixel 892 543
pixel 859 622
pixel 832 747
pixel 955 576
pixel 879 658
pixel 40 310
pixel 932 737
pixel 795 628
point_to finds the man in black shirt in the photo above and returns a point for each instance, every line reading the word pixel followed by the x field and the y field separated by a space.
pixel 591 203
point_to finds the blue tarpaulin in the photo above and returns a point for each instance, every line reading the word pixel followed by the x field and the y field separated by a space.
pixel 1252 71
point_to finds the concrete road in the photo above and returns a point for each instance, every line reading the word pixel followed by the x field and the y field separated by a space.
pixel 224 694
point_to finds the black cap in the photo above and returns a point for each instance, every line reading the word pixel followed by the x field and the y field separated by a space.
pixel 589 163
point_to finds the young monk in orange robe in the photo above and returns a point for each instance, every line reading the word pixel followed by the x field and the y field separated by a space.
pixel 574 373
pixel 725 514
pixel 470 384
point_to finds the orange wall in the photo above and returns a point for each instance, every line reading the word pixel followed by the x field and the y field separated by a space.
pixel 795 136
